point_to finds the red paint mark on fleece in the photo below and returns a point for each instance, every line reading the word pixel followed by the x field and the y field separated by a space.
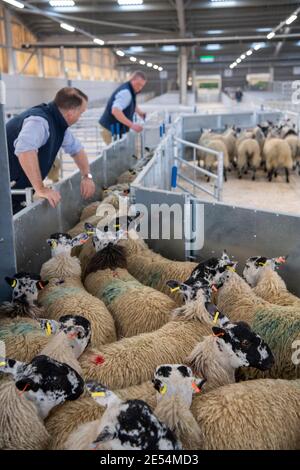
pixel 98 360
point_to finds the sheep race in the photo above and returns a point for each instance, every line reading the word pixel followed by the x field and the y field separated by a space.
pixel 151 302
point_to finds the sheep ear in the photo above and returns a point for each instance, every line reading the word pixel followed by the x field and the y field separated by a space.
pixel 89 228
pixel 79 239
pixel 41 284
pixel 157 384
pixel 173 285
pixel 11 281
pixel 219 332
pixel 26 384
pixel 197 385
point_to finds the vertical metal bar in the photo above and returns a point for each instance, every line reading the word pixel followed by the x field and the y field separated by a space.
pixel 11 58
pixel 78 63
pixel 194 177
pixel 40 63
pixel 183 75
pixel 7 244
pixel 220 176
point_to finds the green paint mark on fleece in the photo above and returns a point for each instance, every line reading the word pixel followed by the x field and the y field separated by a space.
pixel 278 329
pixel 58 293
pixel 14 329
pixel 154 279
pixel 116 288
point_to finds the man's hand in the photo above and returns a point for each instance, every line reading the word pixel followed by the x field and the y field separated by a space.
pixel 137 127
pixel 52 196
pixel 87 188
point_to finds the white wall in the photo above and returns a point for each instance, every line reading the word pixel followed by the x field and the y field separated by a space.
pixel 23 91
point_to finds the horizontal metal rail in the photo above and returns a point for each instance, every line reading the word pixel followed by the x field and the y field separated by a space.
pixel 194 183
pixel 196 168
pixel 196 146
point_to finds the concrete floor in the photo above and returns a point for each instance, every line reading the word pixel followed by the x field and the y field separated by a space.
pixel 261 194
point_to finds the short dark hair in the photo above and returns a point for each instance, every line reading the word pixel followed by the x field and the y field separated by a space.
pixel 69 98
pixel 139 74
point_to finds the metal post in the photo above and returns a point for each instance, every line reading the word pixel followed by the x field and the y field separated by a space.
pixel 219 191
pixel 183 76
pixel 11 58
pixel 7 246
pixel 78 63
pixel 40 63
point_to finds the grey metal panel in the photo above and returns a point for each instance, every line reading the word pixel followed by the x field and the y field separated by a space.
pixel 273 116
pixel 7 252
pixel 247 232
pixel 171 248
pixel 240 119
pixel 34 224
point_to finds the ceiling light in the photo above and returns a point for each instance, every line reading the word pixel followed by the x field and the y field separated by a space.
pixel 160 69
pixel 15 3
pixel 142 62
pixel 155 66
pixel 68 27
pixel 243 56
pixel 149 64
pixel 291 19
pixel 62 3
pixel 136 49
pixel 263 30
pixel 231 66
pixel 213 47
pixel 215 31
pixel 130 2
pixel 258 46
pixel 234 64
pixel 98 41
pixel 271 35
pixel 133 59
pixel 169 48
pixel 238 61
pixel 250 52
pixel 120 53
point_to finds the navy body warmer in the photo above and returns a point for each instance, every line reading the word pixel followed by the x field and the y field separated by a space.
pixel 107 119
pixel 46 153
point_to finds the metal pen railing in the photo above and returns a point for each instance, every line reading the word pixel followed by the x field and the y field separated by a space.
pixel 218 177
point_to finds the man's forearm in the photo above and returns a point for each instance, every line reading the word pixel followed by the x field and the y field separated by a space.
pixel 30 164
pixel 120 116
pixel 82 162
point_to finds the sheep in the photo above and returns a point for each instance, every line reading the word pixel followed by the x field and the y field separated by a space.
pixel 210 161
pixel 65 294
pixel 27 344
pixel 277 326
pixel 135 307
pixel 131 361
pixel 248 157
pixel 26 287
pixel 260 274
pixel 129 425
pixel 54 172
pixel 216 358
pixel 277 154
pixel 110 195
pixel 38 386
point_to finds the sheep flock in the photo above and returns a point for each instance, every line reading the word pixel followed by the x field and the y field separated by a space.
pixel 114 347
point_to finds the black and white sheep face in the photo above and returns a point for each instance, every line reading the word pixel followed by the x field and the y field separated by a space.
pixel 243 347
pixel 129 425
pixel 26 287
pixel 76 328
pixel 62 243
pixel 212 269
pixel 176 380
pixel 255 266
pixel 45 382
pixel 196 290
pixel 111 233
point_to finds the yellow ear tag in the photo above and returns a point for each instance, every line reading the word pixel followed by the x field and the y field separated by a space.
pixel 98 394
pixel 14 283
pixel 117 225
pixel 53 244
pixel 48 329
pixel 163 390
pixel 230 268
pixel 175 289
pixel 262 264
pixel 2 364
pixel 216 317
pixel 89 232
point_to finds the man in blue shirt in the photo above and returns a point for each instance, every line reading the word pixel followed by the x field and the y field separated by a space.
pixel 34 138
pixel 121 107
